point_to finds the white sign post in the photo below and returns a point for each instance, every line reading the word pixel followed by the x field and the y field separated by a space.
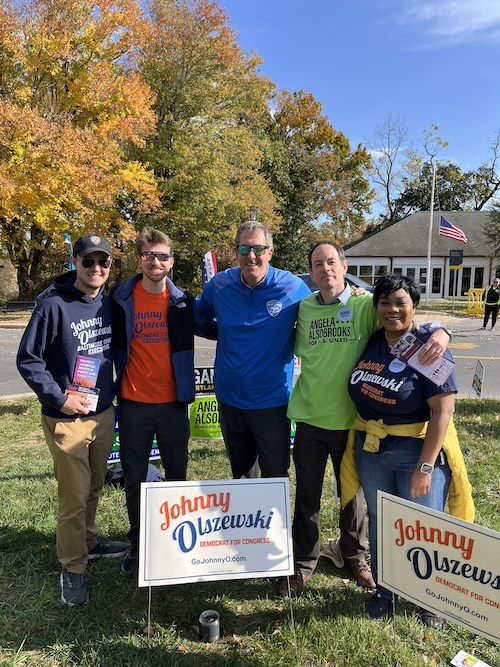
pixel 443 564
pixel 213 530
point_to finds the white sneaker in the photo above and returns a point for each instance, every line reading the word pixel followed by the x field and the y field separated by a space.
pixel 332 551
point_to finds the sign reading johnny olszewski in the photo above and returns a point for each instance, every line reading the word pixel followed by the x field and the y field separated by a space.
pixel 446 565
pixel 212 530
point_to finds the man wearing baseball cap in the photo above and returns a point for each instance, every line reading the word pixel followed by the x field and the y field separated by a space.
pixel 65 356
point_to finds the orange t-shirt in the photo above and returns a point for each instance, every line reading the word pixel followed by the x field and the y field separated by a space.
pixel 149 375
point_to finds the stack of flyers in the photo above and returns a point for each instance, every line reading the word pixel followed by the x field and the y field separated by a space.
pixel 463 659
pixel 407 349
pixel 85 379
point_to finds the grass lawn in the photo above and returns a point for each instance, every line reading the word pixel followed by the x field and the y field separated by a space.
pixel 256 626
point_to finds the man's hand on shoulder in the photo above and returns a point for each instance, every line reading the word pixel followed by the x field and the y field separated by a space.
pixel 434 348
pixel 358 291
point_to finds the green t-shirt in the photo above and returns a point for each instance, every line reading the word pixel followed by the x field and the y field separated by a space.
pixel 329 340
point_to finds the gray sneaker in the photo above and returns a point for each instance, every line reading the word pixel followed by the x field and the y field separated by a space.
pixel 107 549
pixel 73 589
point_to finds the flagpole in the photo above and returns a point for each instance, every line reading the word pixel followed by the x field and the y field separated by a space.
pixel 429 241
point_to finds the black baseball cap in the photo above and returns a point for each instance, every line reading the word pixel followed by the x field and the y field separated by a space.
pixel 91 243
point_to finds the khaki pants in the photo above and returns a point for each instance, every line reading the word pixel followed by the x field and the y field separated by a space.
pixel 80 448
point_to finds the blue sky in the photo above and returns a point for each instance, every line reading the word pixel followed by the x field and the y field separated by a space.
pixel 426 61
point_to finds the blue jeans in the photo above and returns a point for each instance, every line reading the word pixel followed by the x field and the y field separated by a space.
pixel 390 470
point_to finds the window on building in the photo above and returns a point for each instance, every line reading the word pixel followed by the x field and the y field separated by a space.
pixel 466 279
pixel 365 273
pixel 478 277
pixel 436 281
pixel 410 273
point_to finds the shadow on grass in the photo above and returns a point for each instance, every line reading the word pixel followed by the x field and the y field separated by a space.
pixel 14 408
pixel 25 477
pixel 15 541
pixel 112 626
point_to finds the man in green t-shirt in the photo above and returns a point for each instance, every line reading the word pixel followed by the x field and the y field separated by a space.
pixel 333 328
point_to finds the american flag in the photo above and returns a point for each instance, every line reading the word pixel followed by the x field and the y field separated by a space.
pixel 208 267
pixel 450 231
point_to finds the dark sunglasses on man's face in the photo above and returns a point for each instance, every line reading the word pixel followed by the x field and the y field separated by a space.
pixel 151 255
pixel 88 262
pixel 258 249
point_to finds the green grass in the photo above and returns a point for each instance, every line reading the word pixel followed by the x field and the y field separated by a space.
pixel 257 628
pixel 21 315
pixel 459 308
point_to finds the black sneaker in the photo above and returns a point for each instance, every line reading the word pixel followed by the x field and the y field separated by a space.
pixel 107 549
pixel 130 562
pixel 378 607
pixel 73 589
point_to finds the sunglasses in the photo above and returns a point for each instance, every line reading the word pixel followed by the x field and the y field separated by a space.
pixel 160 256
pixel 88 262
pixel 258 249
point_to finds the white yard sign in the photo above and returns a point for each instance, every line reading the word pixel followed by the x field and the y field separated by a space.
pixel 212 530
pixel 446 565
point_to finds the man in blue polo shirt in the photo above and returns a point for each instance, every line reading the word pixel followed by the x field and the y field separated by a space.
pixel 256 309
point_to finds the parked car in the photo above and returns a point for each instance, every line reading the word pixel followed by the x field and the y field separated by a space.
pixel 352 280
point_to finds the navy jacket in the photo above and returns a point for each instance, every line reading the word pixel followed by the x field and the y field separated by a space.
pixel 65 324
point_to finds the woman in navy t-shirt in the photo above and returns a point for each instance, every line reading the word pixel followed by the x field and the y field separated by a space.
pixel 384 387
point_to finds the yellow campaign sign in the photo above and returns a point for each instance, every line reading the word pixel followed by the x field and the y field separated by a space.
pixel 204 417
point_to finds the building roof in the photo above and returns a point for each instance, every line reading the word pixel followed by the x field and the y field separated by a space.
pixel 409 237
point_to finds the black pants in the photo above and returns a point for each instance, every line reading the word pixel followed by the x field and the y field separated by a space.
pixel 138 423
pixel 493 310
pixel 256 435
pixel 312 448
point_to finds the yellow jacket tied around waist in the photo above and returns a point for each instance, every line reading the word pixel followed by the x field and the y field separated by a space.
pixel 460 503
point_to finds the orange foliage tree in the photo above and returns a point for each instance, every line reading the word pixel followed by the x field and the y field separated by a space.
pixel 320 183
pixel 71 102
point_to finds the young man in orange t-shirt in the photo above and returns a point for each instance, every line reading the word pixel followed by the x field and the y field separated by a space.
pixel 154 324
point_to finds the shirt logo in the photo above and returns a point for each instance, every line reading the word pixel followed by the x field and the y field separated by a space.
pixel 274 307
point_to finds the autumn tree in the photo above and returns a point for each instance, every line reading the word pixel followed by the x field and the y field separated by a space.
pixel 320 184
pixel 70 103
pixel 208 146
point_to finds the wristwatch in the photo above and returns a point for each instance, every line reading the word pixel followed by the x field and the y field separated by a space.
pixel 426 468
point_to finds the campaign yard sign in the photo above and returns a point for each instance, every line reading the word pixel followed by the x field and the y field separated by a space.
pixel 204 412
pixel 441 563
pixel 213 530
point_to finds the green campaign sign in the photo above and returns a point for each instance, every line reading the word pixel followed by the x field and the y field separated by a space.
pixel 204 418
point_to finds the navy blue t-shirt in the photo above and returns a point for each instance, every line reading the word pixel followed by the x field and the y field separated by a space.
pixel 384 387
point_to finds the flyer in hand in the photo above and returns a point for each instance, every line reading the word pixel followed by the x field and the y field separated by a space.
pixel 85 379
pixel 407 349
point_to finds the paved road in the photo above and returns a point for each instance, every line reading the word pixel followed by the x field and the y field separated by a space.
pixel 11 383
pixel 469 344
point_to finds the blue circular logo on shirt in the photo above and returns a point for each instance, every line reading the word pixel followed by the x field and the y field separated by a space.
pixel 344 314
pixel 397 366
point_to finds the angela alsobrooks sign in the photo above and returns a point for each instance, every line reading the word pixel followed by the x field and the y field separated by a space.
pixel 212 530
pixel 446 565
